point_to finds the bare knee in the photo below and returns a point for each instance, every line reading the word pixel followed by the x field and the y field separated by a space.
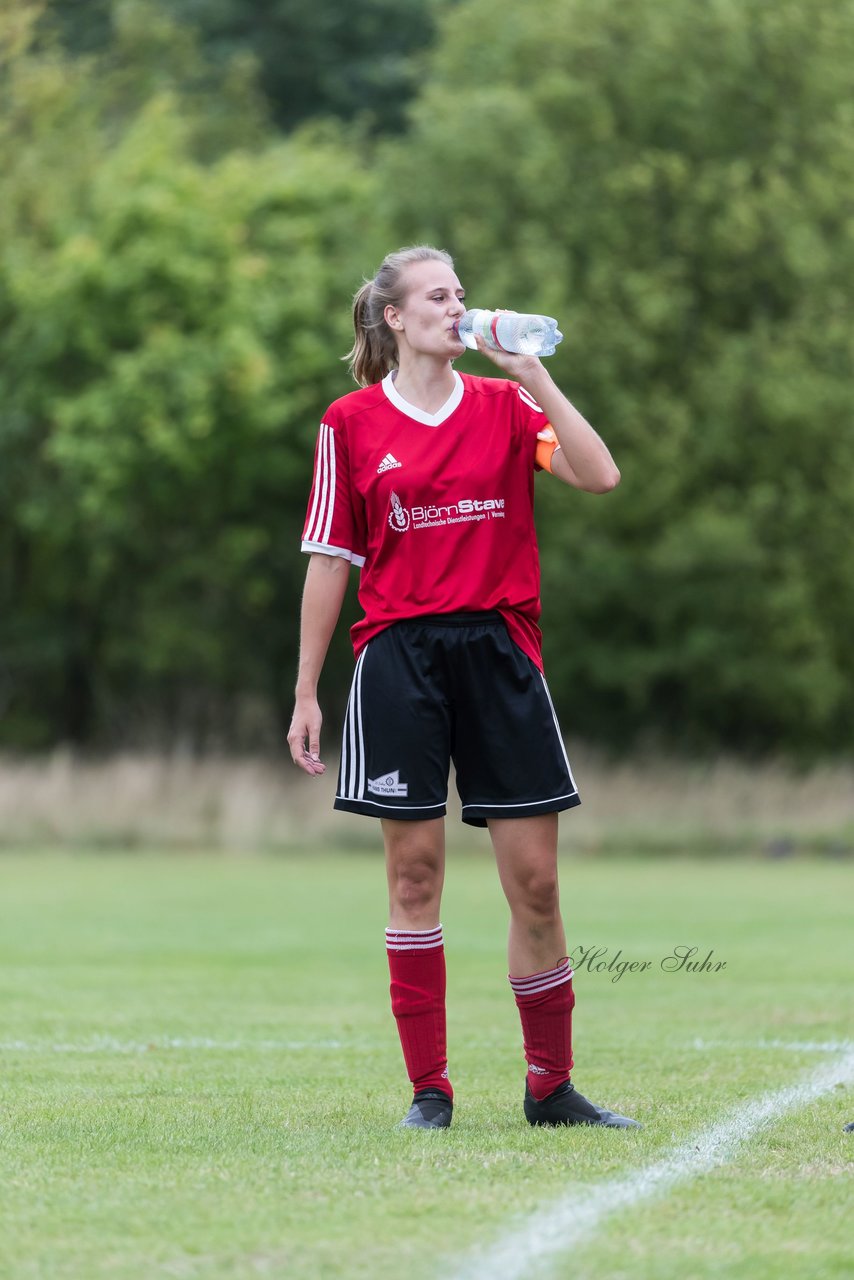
pixel 535 894
pixel 415 886
pixel 415 863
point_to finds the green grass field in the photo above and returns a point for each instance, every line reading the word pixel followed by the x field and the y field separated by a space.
pixel 201 1078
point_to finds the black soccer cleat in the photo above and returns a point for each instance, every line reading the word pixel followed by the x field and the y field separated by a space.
pixel 849 1128
pixel 431 1109
pixel 567 1106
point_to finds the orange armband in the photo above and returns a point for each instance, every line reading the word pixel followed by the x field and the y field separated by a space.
pixel 546 447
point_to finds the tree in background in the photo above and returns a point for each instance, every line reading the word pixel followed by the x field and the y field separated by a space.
pixel 168 331
pixel 315 58
pixel 674 182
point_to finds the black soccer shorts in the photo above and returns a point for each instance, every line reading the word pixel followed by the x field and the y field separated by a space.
pixel 451 687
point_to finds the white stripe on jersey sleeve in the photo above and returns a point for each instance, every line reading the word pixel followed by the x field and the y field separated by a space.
pixel 331 502
pixel 310 523
pixel 322 483
pixel 529 400
pixel 319 524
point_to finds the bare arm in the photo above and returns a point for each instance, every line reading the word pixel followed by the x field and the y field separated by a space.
pixel 322 598
pixel 583 459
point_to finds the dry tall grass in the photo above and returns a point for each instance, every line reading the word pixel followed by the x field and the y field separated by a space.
pixel 245 804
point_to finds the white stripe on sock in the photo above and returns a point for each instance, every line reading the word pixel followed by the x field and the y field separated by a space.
pixel 538 982
pixel 413 939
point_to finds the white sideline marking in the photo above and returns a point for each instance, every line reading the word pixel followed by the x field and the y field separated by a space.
pixel 574 1217
pixel 790 1046
pixel 109 1044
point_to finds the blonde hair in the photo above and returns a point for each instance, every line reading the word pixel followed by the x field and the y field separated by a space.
pixel 374 352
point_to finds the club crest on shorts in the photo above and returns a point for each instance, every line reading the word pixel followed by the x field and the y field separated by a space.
pixel 398 517
pixel 388 784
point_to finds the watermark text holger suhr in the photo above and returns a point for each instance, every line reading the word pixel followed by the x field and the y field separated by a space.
pixel 680 960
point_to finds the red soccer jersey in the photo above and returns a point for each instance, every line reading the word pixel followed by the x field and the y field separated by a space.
pixel 436 509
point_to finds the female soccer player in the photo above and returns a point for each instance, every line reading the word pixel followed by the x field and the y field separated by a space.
pixel 424 479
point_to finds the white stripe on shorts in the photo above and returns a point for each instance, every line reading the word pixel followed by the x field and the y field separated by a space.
pixel 558 732
pixel 521 804
pixel 353 740
pixel 360 793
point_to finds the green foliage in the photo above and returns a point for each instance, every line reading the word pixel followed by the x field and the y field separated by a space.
pixel 166 339
pixel 326 58
pixel 675 183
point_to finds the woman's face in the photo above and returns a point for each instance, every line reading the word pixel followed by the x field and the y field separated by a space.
pixel 433 303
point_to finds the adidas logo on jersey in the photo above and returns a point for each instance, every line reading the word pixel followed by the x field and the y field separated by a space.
pixel 388 463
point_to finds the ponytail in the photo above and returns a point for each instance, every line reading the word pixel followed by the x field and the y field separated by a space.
pixel 374 351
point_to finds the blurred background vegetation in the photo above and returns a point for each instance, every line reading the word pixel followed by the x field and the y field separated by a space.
pixel 190 192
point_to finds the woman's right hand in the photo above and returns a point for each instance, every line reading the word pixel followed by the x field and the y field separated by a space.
pixel 304 736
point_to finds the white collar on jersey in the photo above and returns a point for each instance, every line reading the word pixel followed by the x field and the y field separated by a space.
pixel 429 419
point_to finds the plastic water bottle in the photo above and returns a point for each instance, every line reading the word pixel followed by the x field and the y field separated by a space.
pixel 510 331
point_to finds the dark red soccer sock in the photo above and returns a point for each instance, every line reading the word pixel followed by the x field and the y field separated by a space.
pixel 416 961
pixel 545 1002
